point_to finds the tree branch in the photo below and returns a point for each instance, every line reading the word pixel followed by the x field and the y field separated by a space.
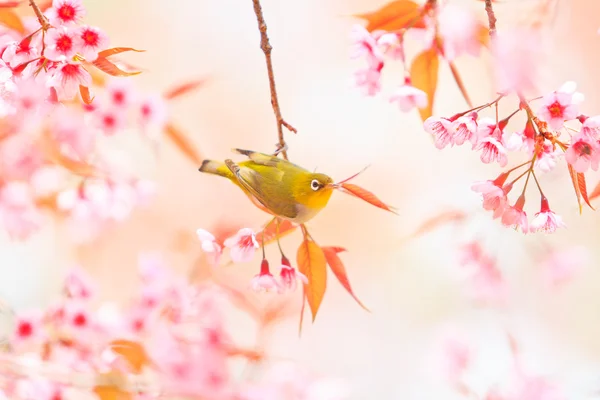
pixel 491 17
pixel 267 48
pixel 40 15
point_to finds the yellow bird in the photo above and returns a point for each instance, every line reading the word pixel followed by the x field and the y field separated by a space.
pixel 275 185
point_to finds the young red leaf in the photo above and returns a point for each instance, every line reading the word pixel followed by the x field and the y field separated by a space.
pixel 311 262
pixel 285 228
pixel 365 195
pixel 85 94
pixel 424 76
pixel 438 220
pixel 183 143
pixel 339 270
pixel 107 66
pixel 117 50
pixel 183 89
pixel 583 189
pixel 11 20
pixel 573 175
pixel 596 192
pixel 395 16
pixel 111 392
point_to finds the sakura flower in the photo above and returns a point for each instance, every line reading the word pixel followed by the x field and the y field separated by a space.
pixel 364 45
pixel 69 129
pixel 558 107
pixel 546 220
pixel 120 93
pixel 39 389
pixel 547 156
pixel 62 44
pixel 242 246
pixel 591 127
pixel 110 119
pixel 153 111
pixel 67 78
pixel 78 285
pixel 17 53
pixel 93 40
pixel 459 29
pixel 265 280
pixel 494 195
pixel 47 180
pixel 441 128
pixel 409 97
pixel 458 357
pixel 560 266
pixel 289 275
pixel 391 46
pixel 209 245
pixel 465 128
pixel 65 12
pixel 28 327
pixel 583 153
pixel 369 79
pixel 492 150
pixel 515 216
pixel 18 213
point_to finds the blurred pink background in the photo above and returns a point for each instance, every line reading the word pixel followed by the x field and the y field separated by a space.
pixel 414 287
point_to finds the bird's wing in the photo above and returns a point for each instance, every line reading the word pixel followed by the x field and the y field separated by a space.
pixel 259 158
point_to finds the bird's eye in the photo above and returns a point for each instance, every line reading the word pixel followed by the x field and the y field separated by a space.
pixel 315 185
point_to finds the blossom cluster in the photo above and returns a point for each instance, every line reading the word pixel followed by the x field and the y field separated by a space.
pixel 242 247
pixel 56 146
pixel 172 340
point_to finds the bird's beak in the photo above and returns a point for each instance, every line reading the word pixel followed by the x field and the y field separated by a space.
pixel 333 185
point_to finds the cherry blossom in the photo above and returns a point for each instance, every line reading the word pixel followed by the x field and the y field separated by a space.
pixel 209 245
pixel 62 44
pixel 465 128
pixel 92 41
pixel 67 78
pixel 409 97
pixel 515 216
pixel 66 12
pixel 546 220
pixel 459 29
pixel 558 107
pixel 442 129
pixel 583 153
pixel 265 280
pixel 242 246
pixel 290 275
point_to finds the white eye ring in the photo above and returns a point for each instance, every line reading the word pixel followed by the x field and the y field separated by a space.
pixel 315 185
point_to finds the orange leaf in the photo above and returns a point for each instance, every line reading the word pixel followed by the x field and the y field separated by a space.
pixel 117 50
pixel 339 270
pixel 85 94
pixel 311 262
pixel 573 175
pixel 133 352
pixel 439 220
pixel 424 76
pixel 483 35
pixel 595 192
pixel 11 20
pixel 107 66
pixel 583 188
pixel 365 195
pixel 10 4
pixel 285 228
pixel 54 154
pixel 395 16
pixel 111 393
pixel 183 143
pixel 185 88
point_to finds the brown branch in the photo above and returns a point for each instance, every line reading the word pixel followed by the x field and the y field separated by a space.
pixel 40 15
pixel 266 48
pixel 491 17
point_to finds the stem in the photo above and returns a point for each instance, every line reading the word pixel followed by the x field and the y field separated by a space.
pixel 491 17
pixel 40 15
pixel 267 48
pixel 537 183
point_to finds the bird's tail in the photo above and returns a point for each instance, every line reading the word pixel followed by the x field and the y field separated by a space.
pixel 214 167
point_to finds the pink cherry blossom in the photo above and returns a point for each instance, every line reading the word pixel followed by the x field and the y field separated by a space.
pixel 391 46
pixel 591 127
pixel 583 153
pixel 17 53
pixel 67 78
pixel 515 216
pixel 492 150
pixel 465 128
pixel 209 245
pixel 494 194
pixel 18 213
pixel 547 156
pixel 68 127
pixel 62 44
pixel 28 328
pixel 369 80
pixel 442 129
pixel 290 275
pixel 153 111
pixel 558 107
pixel 110 119
pixel 93 40
pixel 365 45
pixel 409 97
pixel 78 285
pixel 242 246
pixel 546 220
pixel 458 28
pixel 265 280
pixel 65 12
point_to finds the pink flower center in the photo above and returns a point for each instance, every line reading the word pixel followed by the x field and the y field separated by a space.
pixel 146 110
pixel 25 329
pixel 90 38
pixel 582 149
pixel 64 43
pixel 66 12
pixel 80 320
pixel 119 97
pixel 109 121
pixel 556 109
pixel 246 241
pixel 70 70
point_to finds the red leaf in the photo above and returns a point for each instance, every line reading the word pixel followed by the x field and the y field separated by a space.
pixel 573 175
pixel 365 195
pixel 10 4
pixel 183 143
pixel 107 66
pixel 395 16
pixel 285 228
pixel 439 220
pixel 424 76
pixel 339 270
pixel 583 189
pixel 11 20
pixel 85 94
pixel 595 192
pixel 311 262
pixel 182 89
pixel 117 50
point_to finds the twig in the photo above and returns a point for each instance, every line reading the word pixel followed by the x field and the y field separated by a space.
pixel 266 48
pixel 40 15
pixel 491 17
